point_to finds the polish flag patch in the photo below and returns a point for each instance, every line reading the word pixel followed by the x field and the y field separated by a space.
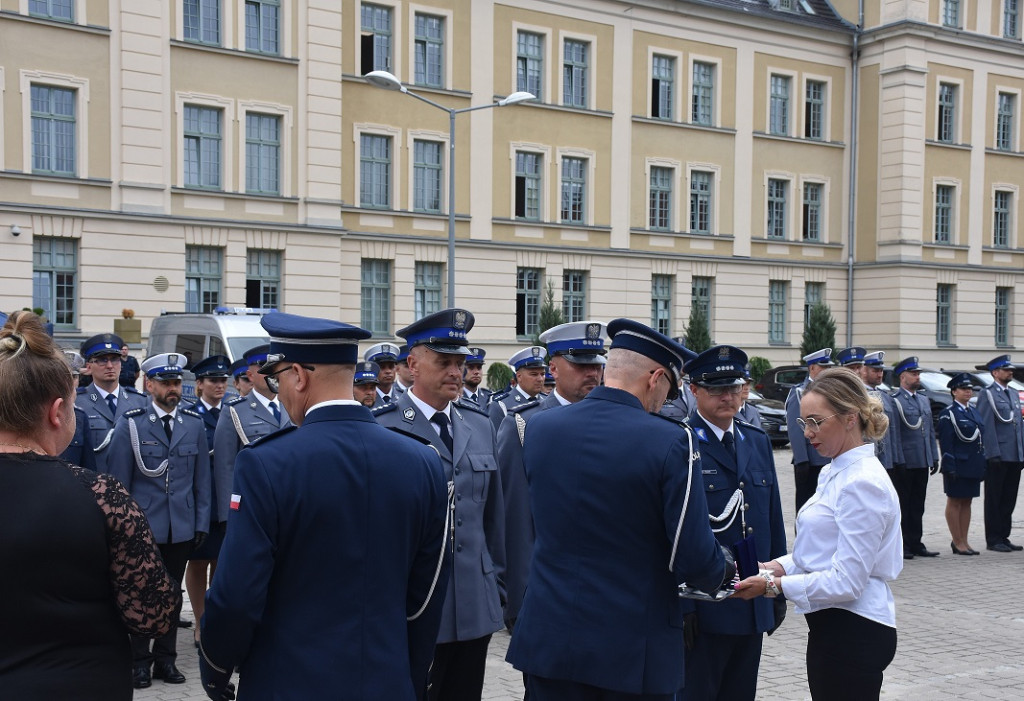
pixel 236 501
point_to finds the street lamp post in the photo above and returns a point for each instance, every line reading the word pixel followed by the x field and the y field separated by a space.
pixel 386 80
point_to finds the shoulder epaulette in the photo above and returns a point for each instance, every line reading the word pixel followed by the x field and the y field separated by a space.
pixel 136 412
pixel 498 396
pixel 684 423
pixel 746 424
pixel 525 405
pixel 236 400
pixel 190 412
pixel 81 390
pixel 410 434
pixel 384 408
pixel 470 406
pixel 270 436
pixel 132 390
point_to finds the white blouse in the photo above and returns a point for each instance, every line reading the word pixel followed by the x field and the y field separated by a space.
pixel 848 541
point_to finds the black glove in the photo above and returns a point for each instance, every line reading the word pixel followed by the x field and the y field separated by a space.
pixel 198 539
pixel 216 684
pixel 994 463
pixel 779 607
pixel 690 629
pixel 933 469
pixel 730 567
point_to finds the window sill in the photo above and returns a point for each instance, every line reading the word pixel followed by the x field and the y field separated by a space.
pixel 233 195
pixel 793 242
pixel 63 24
pixel 550 224
pixel 213 48
pixel 49 177
pixel 685 125
pixel 947 144
pixel 798 139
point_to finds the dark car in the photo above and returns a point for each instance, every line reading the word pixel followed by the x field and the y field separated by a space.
pixel 776 382
pixel 773 418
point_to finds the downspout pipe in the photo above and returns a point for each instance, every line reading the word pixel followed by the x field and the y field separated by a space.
pixel 851 235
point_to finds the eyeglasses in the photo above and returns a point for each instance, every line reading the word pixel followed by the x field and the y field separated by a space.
pixel 813 422
pixel 718 391
pixel 106 360
pixel 274 385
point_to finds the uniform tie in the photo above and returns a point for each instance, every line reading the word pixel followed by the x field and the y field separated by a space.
pixel 215 413
pixel 112 403
pixel 730 443
pixel 473 397
pixel 386 398
pixel 167 418
pixel 444 428
pixel 275 411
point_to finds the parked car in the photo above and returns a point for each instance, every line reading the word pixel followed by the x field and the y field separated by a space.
pixel 777 382
pixel 773 417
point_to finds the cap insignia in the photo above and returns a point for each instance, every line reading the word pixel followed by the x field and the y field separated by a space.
pixel 460 320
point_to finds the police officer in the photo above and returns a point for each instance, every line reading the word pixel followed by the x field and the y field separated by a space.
pixel 1003 436
pixel 920 457
pixel 724 639
pixel 960 429
pixel 473 377
pixel 364 383
pixel 79 451
pixel 159 453
pixel 889 450
pixel 748 413
pixel 465 441
pixel 621 520
pixel 240 377
pixel 386 357
pixel 807 462
pixel 529 367
pixel 403 378
pixel 577 360
pixel 104 401
pixel 332 572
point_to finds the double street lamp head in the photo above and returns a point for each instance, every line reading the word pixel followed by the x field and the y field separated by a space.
pixel 388 81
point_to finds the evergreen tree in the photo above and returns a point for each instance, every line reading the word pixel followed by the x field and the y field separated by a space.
pixel 820 331
pixel 498 376
pixel 698 336
pixel 550 314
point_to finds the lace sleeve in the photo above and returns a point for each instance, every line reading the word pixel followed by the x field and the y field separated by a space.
pixel 146 595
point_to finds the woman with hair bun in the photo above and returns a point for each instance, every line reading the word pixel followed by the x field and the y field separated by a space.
pixel 81 570
pixel 848 545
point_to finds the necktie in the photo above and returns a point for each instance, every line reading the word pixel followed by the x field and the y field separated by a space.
pixel 167 425
pixel 215 413
pixel 112 403
pixel 386 399
pixel 275 411
pixel 730 443
pixel 473 397
pixel 442 422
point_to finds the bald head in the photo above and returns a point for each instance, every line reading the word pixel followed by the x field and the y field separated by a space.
pixel 639 375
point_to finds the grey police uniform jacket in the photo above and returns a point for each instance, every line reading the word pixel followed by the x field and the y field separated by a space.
pixel 101 421
pixel 802 449
pixel 473 604
pixel 889 448
pixel 497 410
pixel 1001 430
pixel 176 502
pixel 395 393
pixel 749 414
pixel 242 421
pixel 917 433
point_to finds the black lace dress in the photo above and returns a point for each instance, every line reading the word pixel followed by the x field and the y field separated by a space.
pixel 78 572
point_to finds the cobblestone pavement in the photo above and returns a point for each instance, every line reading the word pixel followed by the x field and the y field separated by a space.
pixel 960 621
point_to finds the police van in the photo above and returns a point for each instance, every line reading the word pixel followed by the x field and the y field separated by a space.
pixel 229 331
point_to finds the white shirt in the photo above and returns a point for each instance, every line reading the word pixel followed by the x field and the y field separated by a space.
pixel 848 542
pixel 332 402
pixel 429 411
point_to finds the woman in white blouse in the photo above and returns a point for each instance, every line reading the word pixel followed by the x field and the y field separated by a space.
pixel 848 545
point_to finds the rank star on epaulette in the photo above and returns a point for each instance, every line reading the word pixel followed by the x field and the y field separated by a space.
pixel 409 414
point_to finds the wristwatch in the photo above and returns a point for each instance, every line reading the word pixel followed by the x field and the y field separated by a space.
pixel 770 590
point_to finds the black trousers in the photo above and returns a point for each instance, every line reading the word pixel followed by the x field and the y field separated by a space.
pixel 1001 485
pixel 846 655
pixel 806 482
pixel 175 557
pixel 911 487
pixel 457 673
pixel 543 689
pixel 722 668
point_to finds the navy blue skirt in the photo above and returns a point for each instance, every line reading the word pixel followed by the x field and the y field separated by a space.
pixel 961 487
pixel 210 549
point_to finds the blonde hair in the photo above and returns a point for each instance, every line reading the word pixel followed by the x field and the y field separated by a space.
pixel 33 373
pixel 845 392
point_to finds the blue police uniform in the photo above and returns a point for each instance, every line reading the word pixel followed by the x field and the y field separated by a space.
pixel 807 462
pixel 1003 436
pixel 328 577
pixel 920 454
pixel 385 353
pixel 620 520
pixel 742 493
pixel 960 431
pixel 79 451
pixel 889 449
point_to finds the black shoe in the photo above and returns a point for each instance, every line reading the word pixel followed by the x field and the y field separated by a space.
pixel 907 555
pixel 1000 548
pixel 184 623
pixel 922 551
pixel 1011 546
pixel 141 678
pixel 960 552
pixel 169 673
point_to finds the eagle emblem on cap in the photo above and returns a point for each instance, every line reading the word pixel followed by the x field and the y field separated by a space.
pixel 536 350
pixel 460 319
pixel 723 353
pixel 388 348
pixel 593 332
pixel 172 358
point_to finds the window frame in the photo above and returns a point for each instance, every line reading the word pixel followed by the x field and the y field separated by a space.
pixel 773 200
pixel 201 19
pixel 712 92
pixel 379 38
pixel 375 310
pixel 945 299
pixel 778 298
pixel 426 42
pixel 54 120
pixel 263 266
pixel 662 287
pixel 944 213
pixel 661 214
pixel 50 14
pixel 261 144
pixel 54 283
pixel 204 138
pixel 204 279
pixel 584 182
pixel 1006 120
pixel 425 287
pixel 947 124
pixel 675 60
pixel 1006 214
pixel 951 14
pixel 523 82
pixel 702 295
pixel 423 168
pixel 780 123
pixel 574 295
pixel 585 70
pixel 709 196
pixel 822 109
pixel 1010 20
pixel 814 294
pixel 278 30
pixel 542 157
pixel 819 236
pixel 1003 315
pixel 528 301
pixel 81 88
pixel 395 195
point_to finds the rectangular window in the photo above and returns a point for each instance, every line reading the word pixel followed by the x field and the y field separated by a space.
pixel 528 169
pixel 947 113
pixel 53 130
pixel 527 301
pixel 530 63
pixel 1003 315
pixel 1003 206
pixel 700 296
pixel 427 292
pixel 777 291
pixel 574 190
pixel 812 211
pixel 429 50
pixel 814 110
pixel 702 109
pixel 202 147
pixel 54 279
pixel 202 279
pixel 951 13
pixel 263 279
pixel 700 201
pixel 375 46
pixel 426 176
pixel 778 194
pixel 201 20
pixel 944 214
pixel 375 301
pixel 814 294
pixel 779 107
pixel 660 215
pixel 262 154
pixel 574 295
pixel 263 26
pixel 575 73
pixel 53 9
pixel 1005 119
pixel 663 74
pixel 944 315
pixel 375 171
pixel 661 304
pixel 1011 19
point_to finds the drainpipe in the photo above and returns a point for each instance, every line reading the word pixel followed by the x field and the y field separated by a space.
pixel 854 122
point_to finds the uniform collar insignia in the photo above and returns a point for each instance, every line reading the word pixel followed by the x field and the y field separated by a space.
pixel 701 434
pixel 94 397
pixel 152 418
pixel 253 403
pixel 409 414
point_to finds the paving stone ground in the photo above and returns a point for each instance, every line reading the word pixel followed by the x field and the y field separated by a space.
pixel 960 622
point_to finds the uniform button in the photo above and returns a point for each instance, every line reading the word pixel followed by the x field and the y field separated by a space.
pixel 711 486
pixel 459 522
pixel 764 481
pixel 746 507
pixel 750 530
pixel 742 485
pixel 458 547
pixel 458 497
pixel 456 470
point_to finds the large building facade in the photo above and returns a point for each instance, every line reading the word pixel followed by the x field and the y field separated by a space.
pixel 750 157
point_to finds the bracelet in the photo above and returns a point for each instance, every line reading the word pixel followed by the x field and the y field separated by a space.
pixel 770 590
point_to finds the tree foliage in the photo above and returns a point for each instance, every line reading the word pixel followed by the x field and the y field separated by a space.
pixel 820 331
pixel 698 336
pixel 550 314
pixel 498 376
pixel 758 367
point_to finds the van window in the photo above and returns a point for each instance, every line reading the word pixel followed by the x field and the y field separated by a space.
pixel 216 346
pixel 240 344
pixel 191 346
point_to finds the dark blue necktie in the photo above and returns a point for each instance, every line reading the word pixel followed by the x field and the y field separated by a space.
pixel 167 426
pixel 386 399
pixel 730 443
pixel 215 413
pixel 442 422
pixel 275 411
pixel 112 403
